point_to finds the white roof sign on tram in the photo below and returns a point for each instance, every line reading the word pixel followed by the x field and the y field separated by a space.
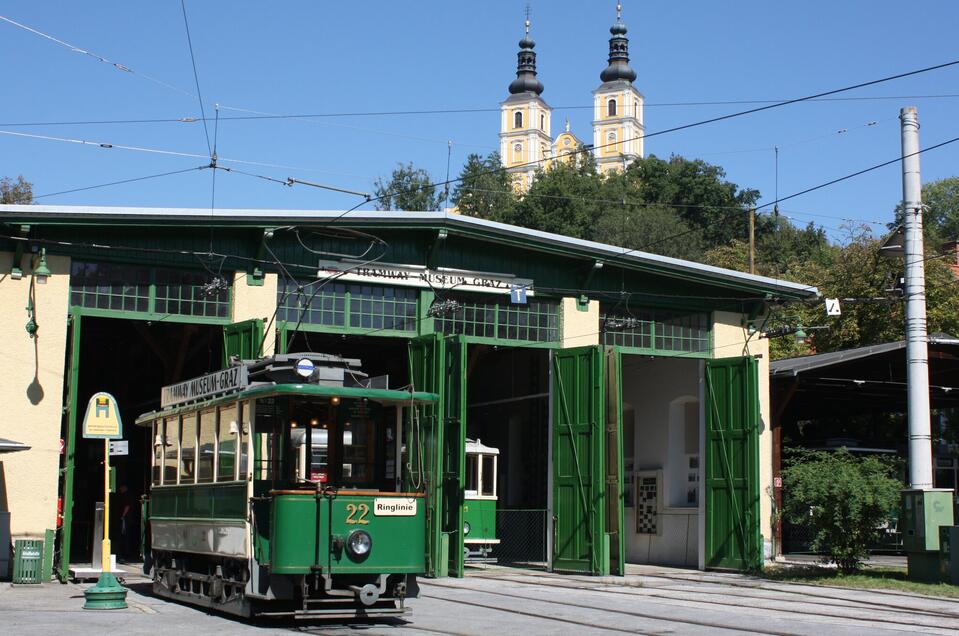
pixel 320 217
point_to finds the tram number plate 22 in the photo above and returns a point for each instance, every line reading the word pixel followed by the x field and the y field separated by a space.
pixel 357 514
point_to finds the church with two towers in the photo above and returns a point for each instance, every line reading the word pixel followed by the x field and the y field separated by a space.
pixel 526 140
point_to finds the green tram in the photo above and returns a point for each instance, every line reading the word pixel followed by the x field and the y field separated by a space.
pixel 288 486
pixel 479 502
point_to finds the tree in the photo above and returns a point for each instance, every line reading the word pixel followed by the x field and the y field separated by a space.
pixel 409 188
pixel 844 500
pixel 485 189
pixel 698 192
pixel 655 229
pixel 19 191
pixel 940 217
pixel 564 198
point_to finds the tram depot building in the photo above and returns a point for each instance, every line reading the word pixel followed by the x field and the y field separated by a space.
pixel 627 393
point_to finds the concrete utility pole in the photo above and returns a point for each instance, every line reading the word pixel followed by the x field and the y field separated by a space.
pixel 917 354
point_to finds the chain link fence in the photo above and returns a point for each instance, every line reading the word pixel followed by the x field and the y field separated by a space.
pixel 522 535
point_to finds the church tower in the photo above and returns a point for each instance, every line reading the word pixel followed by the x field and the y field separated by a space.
pixel 525 141
pixel 617 106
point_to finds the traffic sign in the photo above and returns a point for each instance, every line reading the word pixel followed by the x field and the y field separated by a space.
pixel 119 447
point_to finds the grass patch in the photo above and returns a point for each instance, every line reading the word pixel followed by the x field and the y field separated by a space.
pixel 870 578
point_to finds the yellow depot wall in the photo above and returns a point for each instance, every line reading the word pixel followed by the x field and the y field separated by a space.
pixel 32 393
pixel 729 337
pixel 256 301
pixel 579 328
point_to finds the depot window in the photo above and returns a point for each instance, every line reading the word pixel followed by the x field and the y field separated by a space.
pixel 113 288
pixel 485 317
pixel 656 330
pixel 348 306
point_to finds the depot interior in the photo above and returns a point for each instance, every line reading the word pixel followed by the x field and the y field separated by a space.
pixel 131 360
pixel 507 409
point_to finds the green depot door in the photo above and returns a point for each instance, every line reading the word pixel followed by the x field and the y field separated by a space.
pixel 733 539
pixel 242 340
pixel 437 365
pixel 587 461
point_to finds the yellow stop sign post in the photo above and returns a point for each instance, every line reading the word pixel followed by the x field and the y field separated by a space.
pixel 102 421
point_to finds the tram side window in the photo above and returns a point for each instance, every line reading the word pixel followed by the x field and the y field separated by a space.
pixel 158 437
pixel 242 439
pixel 489 475
pixel 472 475
pixel 170 449
pixel 228 438
pixel 188 449
pixel 266 451
pixel 206 451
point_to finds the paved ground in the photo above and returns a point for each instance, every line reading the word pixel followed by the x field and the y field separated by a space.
pixel 490 601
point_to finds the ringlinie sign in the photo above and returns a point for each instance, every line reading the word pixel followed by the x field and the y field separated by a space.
pixel 102 419
pixel 205 386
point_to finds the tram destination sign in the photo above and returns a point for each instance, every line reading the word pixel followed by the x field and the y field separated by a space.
pixel 205 386
pixel 415 276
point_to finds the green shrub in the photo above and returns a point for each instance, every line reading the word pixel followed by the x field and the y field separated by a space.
pixel 842 499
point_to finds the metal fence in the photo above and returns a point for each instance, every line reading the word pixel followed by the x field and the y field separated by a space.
pixel 522 535
pixel 798 539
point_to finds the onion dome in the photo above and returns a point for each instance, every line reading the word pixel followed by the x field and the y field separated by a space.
pixel 526 81
pixel 619 68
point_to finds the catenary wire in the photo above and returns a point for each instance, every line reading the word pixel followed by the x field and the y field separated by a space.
pixel 702 122
pixel 122 181
pixel 99 58
pixel 448 111
pixel 196 78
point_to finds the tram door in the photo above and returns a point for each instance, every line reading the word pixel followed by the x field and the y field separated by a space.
pixel 733 539
pixel 437 365
pixel 587 458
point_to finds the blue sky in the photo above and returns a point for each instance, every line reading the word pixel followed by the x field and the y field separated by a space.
pixel 319 57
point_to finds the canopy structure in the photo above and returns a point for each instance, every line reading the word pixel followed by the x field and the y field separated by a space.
pixel 860 381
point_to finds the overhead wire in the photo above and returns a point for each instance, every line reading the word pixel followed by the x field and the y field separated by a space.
pixel 120 182
pixel 703 122
pixel 96 56
pixel 449 111
pixel 196 78
pixel 174 153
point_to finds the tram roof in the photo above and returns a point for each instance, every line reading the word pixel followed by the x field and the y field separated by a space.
pixel 461 224
pixel 380 396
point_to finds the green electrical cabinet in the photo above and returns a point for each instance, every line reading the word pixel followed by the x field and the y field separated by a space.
pixel 923 513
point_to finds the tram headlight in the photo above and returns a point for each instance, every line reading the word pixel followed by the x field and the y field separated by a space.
pixel 359 543
pixel 466 528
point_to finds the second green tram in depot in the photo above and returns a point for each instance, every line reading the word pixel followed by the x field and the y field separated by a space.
pixel 288 485
pixel 479 502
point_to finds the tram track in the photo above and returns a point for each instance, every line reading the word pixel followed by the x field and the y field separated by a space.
pixel 781 585
pixel 667 619
pixel 842 603
pixel 662 597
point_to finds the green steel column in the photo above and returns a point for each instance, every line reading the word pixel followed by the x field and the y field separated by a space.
pixel 70 445
pixel 425 323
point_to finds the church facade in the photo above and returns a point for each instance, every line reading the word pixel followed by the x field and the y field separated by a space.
pixel 526 140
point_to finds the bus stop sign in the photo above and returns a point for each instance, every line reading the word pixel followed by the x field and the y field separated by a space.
pixel 102 419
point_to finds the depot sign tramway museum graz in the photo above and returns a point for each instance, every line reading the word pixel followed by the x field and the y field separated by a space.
pixel 624 391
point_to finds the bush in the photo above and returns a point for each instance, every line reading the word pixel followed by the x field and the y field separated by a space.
pixel 842 499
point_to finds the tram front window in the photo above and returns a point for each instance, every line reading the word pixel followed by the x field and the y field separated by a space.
pixel 341 447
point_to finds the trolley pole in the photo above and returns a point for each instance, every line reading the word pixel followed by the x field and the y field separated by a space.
pixel 917 355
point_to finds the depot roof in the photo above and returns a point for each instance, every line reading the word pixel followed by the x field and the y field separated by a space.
pixel 457 223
